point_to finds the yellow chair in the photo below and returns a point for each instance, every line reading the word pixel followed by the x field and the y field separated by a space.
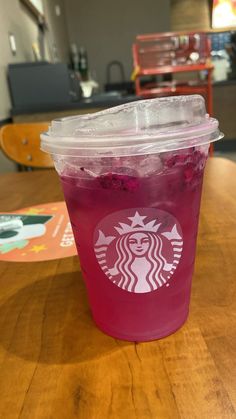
pixel 21 143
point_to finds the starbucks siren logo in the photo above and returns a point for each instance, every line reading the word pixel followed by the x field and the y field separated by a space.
pixel 144 252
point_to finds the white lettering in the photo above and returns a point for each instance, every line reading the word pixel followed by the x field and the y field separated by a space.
pixel 68 238
pixel 66 244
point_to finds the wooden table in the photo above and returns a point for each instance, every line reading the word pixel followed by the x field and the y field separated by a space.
pixel 54 362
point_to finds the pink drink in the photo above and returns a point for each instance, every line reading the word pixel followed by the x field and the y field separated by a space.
pixel 154 310
pixel 135 220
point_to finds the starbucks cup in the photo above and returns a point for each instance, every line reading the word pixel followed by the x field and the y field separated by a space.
pixel 132 180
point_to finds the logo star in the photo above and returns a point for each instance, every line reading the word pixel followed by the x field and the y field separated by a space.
pixel 137 219
pixel 104 240
pixel 173 234
pixel 38 248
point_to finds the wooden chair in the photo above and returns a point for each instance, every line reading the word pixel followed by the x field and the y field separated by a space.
pixel 21 143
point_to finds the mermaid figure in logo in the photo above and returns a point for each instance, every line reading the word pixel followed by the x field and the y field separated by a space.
pixel 140 262
pixel 141 266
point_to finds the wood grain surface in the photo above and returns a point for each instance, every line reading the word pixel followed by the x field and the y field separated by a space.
pixel 55 363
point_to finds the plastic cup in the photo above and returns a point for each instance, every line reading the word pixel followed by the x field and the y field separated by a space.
pixel 132 180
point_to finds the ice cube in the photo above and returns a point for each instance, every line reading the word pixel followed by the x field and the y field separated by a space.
pixel 149 165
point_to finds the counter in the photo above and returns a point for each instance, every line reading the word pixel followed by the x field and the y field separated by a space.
pixel 224 106
pixel 43 113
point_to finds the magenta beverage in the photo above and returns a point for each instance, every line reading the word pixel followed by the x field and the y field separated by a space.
pixel 132 180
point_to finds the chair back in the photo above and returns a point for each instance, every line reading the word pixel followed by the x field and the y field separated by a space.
pixel 21 143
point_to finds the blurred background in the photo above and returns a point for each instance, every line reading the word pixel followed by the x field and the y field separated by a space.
pixel 64 57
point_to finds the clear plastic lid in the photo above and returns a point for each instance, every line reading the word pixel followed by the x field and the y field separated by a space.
pixel 135 128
